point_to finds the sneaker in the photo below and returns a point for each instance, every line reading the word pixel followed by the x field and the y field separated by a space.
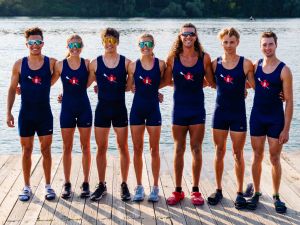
pixel 252 202
pixel 99 192
pixel 154 197
pixel 175 198
pixel 279 205
pixel 139 193
pixel 215 198
pixel 196 198
pixel 125 194
pixel 240 201
pixel 25 194
pixel 85 190
pixel 67 192
pixel 49 193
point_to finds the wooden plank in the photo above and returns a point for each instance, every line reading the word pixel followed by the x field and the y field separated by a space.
pixel 43 222
pixel 12 196
pixel 35 206
pixel 63 206
pixel 4 159
pixel 292 158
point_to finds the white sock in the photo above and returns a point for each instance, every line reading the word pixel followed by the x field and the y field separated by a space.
pixel 27 188
pixel 47 186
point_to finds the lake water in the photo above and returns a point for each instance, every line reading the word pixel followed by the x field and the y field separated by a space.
pixel 165 30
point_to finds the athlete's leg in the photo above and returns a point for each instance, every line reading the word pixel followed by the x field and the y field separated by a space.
pixel 154 137
pixel 85 136
pixel 219 137
pixel 67 136
pixel 275 152
pixel 27 146
pixel 238 142
pixel 196 139
pixel 179 136
pixel 45 145
pixel 101 136
pixel 137 134
pixel 122 143
pixel 258 143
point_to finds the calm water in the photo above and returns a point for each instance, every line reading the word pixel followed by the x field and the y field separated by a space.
pixel 57 30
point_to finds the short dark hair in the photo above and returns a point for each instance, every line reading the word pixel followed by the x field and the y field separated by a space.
pixel 33 31
pixel 110 32
pixel 269 34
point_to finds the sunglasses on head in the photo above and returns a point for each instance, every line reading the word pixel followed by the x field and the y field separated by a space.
pixel 72 45
pixel 191 34
pixel 148 44
pixel 35 42
pixel 109 40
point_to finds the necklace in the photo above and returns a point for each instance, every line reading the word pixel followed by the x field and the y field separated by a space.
pixel 114 63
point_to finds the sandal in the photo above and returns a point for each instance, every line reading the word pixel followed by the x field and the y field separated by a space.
pixel 215 198
pixel 25 195
pixel 252 202
pixel 279 205
pixel 50 194
pixel 196 198
pixel 175 198
pixel 249 191
pixel 240 202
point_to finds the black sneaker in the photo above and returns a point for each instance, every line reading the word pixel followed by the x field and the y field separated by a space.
pixel 85 190
pixel 125 194
pixel 215 198
pixel 67 191
pixel 99 192
pixel 253 202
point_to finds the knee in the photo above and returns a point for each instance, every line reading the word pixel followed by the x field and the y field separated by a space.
pixel 27 151
pixel 46 152
pixel 196 149
pixel 258 157
pixel 220 152
pixel 179 150
pixel 85 148
pixel 238 157
pixel 154 152
pixel 101 149
pixel 67 149
pixel 275 160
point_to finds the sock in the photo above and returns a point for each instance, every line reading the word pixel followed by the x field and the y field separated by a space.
pixel 195 189
pixel 178 189
pixel 27 188
pixel 219 190
pixel 239 193
pixel 48 186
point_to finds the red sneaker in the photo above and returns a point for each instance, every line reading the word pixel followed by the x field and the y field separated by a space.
pixel 175 198
pixel 196 198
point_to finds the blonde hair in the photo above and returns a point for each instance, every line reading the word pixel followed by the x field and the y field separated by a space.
pixel 73 37
pixel 230 31
pixel 147 35
pixel 269 34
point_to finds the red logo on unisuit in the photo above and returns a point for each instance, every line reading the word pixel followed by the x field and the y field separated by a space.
pixel 111 78
pixel 187 76
pixel 228 79
pixel 146 80
pixel 264 83
pixel 35 79
pixel 73 80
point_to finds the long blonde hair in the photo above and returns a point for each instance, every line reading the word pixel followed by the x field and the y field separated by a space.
pixel 177 47
pixel 73 37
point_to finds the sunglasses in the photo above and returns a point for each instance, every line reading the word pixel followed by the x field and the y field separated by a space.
pixel 35 42
pixel 72 45
pixel 185 34
pixel 109 40
pixel 148 44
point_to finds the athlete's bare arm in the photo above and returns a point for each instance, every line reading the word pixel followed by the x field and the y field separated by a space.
pixel 127 63
pixel 52 64
pixel 249 72
pixel 130 80
pixel 162 68
pixel 167 78
pixel 92 72
pixel 12 92
pixel 57 71
pixel 209 76
pixel 287 86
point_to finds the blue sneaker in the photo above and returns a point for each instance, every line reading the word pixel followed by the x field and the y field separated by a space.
pixel 139 194
pixel 154 197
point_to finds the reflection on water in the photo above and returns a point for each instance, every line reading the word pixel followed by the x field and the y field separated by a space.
pixel 165 32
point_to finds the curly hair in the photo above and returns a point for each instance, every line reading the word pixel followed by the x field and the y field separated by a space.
pixel 177 47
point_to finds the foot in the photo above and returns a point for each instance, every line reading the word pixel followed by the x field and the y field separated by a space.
pixel 175 198
pixel 249 191
pixel 154 197
pixel 85 190
pixel 26 194
pixel 49 193
pixel 139 194
pixel 67 192
pixel 240 201
pixel 196 198
pixel 252 202
pixel 100 191
pixel 125 194
pixel 215 198
pixel 279 205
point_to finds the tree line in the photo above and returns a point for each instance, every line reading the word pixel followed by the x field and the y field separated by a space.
pixel 152 8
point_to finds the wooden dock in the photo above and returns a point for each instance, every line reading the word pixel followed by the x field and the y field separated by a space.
pixel 111 210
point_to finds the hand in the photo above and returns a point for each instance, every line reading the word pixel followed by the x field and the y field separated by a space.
pixel 283 137
pixel 10 120
pixel 59 98
pixel 205 83
pixel 133 89
pixel 160 97
pixel 281 96
pixel 96 89
pixel 18 90
pixel 246 93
